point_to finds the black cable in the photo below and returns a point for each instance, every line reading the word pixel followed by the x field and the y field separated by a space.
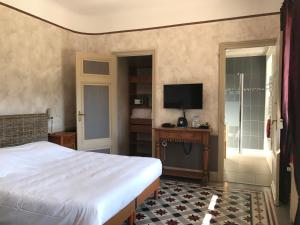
pixel 189 150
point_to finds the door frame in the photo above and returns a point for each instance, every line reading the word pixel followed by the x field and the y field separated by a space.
pixel 145 52
pixel 222 69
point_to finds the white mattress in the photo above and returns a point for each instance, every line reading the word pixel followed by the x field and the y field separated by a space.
pixel 46 184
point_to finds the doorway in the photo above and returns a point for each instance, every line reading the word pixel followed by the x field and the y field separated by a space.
pixel 135 75
pixel 246 75
pixel 247 108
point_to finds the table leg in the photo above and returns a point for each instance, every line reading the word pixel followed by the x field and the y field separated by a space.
pixel 131 219
pixel 157 150
pixel 156 194
pixel 205 163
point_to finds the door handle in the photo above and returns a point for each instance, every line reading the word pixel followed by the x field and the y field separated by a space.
pixel 80 114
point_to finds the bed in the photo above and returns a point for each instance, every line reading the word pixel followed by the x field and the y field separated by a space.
pixel 43 183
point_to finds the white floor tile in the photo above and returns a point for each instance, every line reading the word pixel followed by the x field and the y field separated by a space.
pixel 246 178
pixel 247 170
pixel 263 180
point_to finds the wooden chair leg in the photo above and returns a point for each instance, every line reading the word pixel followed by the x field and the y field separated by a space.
pixel 131 219
pixel 156 194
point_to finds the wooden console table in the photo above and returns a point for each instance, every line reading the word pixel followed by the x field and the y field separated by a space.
pixel 186 135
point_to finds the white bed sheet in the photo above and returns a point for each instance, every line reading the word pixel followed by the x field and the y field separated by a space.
pixel 46 184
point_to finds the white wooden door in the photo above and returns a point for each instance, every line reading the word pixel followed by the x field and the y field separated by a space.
pixel 276 122
pixel 94 102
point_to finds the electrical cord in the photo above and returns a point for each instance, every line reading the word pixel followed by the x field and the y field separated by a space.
pixel 185 150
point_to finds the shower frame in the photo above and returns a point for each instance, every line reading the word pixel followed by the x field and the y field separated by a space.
pixel 241 76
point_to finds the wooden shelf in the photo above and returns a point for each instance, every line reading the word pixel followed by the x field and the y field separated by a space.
pixel 144 79
pixel 139 94
pixel 141 128
pixel 141 106
pixel 180 172
pixel 141 142
pixel 141 121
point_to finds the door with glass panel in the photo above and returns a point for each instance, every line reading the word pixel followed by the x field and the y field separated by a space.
pixel 94 97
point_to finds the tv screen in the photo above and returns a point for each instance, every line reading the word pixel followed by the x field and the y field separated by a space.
pixel 183 96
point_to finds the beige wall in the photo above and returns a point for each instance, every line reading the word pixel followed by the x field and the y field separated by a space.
pixel 32 73
pixel 37 68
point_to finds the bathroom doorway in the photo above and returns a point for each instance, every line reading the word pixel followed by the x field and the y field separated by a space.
pixel 247 108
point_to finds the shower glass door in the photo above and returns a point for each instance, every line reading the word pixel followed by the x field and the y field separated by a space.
pixel 245 104
pixel 233 113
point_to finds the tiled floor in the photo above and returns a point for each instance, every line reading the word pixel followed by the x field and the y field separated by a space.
pixel 247 170
pixel 188 203
pixel 283 214
pixel 282 211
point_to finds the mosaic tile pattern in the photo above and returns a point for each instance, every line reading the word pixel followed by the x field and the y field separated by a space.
pixel 183 203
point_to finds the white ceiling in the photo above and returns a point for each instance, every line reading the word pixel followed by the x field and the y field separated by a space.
pixel 98 16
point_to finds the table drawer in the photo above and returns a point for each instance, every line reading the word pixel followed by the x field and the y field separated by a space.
pixel 177 136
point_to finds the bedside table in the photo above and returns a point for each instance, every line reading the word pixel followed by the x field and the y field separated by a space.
pixel 66 139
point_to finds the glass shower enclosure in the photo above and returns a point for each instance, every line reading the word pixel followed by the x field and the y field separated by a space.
pixel 245 103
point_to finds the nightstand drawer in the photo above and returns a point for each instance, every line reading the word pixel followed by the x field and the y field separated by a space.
pixel 66 139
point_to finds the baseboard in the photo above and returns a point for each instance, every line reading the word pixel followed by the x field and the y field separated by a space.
pixel 273 191
pixel 270 208
pixel 293 196
pixel 213 176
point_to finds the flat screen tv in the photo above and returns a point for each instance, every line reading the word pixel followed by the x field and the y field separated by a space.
pixel 183 96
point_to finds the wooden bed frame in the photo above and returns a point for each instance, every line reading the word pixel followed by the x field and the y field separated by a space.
pixel 129 212
pixel 36 127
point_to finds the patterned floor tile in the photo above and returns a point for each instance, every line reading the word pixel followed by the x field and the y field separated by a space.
pixel 182 203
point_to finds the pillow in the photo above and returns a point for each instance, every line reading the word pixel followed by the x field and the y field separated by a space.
pixel 30 157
